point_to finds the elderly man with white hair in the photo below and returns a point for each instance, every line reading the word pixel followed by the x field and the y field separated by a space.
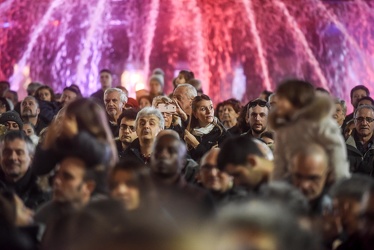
pixel 148 123
pixel 115 100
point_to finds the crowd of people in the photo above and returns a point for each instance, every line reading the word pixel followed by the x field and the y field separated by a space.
pixel 287 170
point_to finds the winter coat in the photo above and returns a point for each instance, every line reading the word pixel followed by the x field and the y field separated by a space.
pixel 214 138
pixel 312 124
pixel 27 189
pixel 360 163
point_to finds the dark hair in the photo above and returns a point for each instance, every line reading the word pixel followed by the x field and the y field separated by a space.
pixel 129 114
pixel 300 93
pixel 242 122
pixel 105 71
pixel 236 105
pixel 19 134
pixel 146 97
pixel 366 98
pixel 267 94
pixel 187 75
pixel 353 187
pixel 235 151
pixel 268 134
pixel 218 106
pixel 47 88
pixel 74 90
pixel 140 178
pixel 5 82
pixel 15 95
pixel 4 101
pixel 77 89
pixel 360 87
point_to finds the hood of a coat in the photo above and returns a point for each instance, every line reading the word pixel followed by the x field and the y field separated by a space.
pixel 321 107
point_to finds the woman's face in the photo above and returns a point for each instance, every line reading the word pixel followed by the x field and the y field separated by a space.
pixel 229 114
pixel 124 189
pixel 204 113
pixel 180 79
pixel 144 102
pixel 29 131
pixel 2 108
pixel 284 107
pixel 45 95
pixel 155 87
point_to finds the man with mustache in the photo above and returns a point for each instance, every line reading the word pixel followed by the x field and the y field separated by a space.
pixel 149 122
pixel 127 132
pixel 17 151
pixel 360 144
pixel 257 117
pixel 30 113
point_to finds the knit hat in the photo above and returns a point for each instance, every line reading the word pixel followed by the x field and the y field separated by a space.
pixel 11 116
pixel 158 71
pixel 158 78
pixel 131 102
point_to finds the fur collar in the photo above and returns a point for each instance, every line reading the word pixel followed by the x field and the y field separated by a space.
pixel 321 107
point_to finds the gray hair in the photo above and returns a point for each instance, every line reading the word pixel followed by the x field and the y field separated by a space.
pixel 363 107
pixel 148 111
pixel 122 95
pixel 343 104
pixel 191 91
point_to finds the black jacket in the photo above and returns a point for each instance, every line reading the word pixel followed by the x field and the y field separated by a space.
pixel 215 137
pixel 27 189
pixel 133 152
pixel 359 162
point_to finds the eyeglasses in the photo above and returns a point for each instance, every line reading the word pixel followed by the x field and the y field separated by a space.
pixel 125 127
pixel 362 119
pixel 258 102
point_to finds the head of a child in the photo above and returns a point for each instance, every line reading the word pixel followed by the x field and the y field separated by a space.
pixel 293 95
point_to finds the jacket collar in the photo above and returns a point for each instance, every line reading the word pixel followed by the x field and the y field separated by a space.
pixel 22 184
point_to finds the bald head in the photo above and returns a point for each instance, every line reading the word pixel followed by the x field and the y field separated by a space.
pixel 309 170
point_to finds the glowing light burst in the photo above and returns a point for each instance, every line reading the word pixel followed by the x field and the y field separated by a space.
pixel 234 47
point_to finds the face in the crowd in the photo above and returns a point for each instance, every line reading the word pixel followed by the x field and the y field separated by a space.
pixel 15 159
pixel 184 101
pixel 364 102
pixel 284 107
pixel 45 95
pixel 309 175
pixel 366 220
pixel 12 96
pixel 167 158
pixel 29 108
pixel 229 114
pixel 204 112
pixel 2 108
pixel 123 188
pixel 68 97
pixel 348 210
pixel 273 101
pixel 220 113
pixel 3 89
pixel 24 215
pixel 105 80
pixel 364 122
pixel 356 96
pixel 127 132
pixel 339 114
pixel 168 117
pixel 148 127
pixel 155 87
pixel 28 129
pixel 258 119
pixel 180 80
pixel 210 176
pixel 144 102
pixel 12 125
pixel 113 104
pixel 69 184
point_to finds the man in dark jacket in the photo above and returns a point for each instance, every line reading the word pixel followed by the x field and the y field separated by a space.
pixel 106 83
pixel 17 151
pixel 30 112
pixel 186 203
pixel 360 144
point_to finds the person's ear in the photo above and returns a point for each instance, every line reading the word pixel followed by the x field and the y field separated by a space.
pixel 91 185
pixel 252 161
